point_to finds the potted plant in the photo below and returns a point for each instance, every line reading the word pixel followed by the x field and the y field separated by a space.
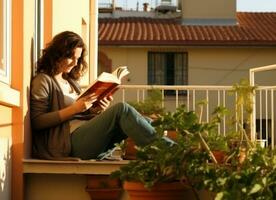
pixel 244 106
pixel 166 163
pixel 218 145
pixel 254 179
pixel 103 187
pixel 251 174
pixel 239 139
pixel 170 122
pixel 248 173
pixel 129 149
pixel 157 172
pixel 151 106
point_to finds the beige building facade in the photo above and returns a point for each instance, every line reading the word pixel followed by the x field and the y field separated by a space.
pixel 206 65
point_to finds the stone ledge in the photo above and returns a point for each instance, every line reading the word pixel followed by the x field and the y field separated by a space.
pixel 36 166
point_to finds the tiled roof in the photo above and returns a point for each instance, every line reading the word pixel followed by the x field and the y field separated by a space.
pixel 257 29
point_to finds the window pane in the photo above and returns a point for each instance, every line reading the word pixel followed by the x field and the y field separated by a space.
pixel 170 69
pixel 156 69
pixel 180 67
pixel 5 41
pixel 167 68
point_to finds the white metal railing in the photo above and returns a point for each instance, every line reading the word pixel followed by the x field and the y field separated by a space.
pixel 263 107
pixel 105 5
pixel 214 96
pixel 263 117
pixel 188 95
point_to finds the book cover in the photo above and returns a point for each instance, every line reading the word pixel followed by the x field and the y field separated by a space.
pixel 106 84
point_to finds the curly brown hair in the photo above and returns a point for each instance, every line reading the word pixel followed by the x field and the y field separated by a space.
pixel 62 46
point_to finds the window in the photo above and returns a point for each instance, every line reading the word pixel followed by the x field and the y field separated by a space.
pixel 39 32
pixel 167 68
pixel 5 44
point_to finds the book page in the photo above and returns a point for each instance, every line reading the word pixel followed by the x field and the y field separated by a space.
pixel 106 83
pixel 120 72
pixel 107 77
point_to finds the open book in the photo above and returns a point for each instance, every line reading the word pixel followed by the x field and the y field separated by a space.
pixel 106 84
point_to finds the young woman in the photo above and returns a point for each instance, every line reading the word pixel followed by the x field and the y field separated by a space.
pixel 62 127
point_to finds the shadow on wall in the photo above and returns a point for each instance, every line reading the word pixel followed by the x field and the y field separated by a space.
pixel 27 121
pixel 27 129
pixel 5 168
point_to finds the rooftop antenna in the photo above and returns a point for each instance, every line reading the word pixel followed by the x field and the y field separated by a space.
pixel 137 6
pixel 113 5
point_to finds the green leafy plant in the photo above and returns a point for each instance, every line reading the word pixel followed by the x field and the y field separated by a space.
pixel 253 179
pixel 152 105
pixel 244 108
pixel 162 160
pixel 217 142
pixel 249 171
pixel 155 163
pixel 179 120
pixel 244 101
pixel 250 174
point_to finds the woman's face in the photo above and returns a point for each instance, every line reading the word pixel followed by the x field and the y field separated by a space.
pixel 67 64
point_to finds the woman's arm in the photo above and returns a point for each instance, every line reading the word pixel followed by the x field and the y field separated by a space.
pixel 44 114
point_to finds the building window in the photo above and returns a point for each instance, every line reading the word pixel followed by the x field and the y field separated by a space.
pixel 167 68
pixel 5 41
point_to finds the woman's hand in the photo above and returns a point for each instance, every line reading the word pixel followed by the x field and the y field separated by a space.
pixel 84 103
pixel 105 102
pixel 78 106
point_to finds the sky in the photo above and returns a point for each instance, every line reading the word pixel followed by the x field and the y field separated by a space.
pixel 242 5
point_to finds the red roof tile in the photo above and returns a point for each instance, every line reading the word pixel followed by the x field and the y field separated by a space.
pixel 256 29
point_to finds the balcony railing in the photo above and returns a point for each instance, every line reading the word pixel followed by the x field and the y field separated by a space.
pixel 213 96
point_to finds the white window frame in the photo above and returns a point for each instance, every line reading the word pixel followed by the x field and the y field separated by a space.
pixel 38 33
pixel 5 73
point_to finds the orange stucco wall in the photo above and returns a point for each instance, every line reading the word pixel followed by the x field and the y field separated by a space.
pixel 48 20
pixel 17 115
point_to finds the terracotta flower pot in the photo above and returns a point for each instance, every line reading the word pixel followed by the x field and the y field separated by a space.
pixel 104 194
pixel 164 191
pixel 102 187
pixel 172 134
pixel 220 156
pixel 130 151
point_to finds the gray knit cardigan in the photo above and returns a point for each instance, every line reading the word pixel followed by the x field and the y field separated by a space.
pixel 50 137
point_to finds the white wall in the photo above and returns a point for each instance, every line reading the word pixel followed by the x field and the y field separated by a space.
pixel 69 15
pixel 226 66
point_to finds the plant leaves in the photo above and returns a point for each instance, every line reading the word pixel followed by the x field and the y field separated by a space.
pixel 219 196
pixel 256 188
